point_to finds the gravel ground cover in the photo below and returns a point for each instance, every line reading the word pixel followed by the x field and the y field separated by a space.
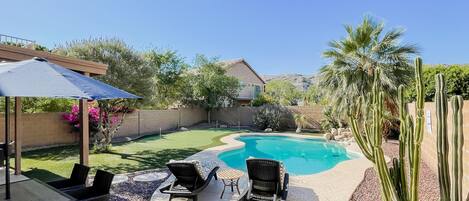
pixel 369 189
pixel 132 190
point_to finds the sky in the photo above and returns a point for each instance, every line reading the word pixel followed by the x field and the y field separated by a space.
pixel 275 37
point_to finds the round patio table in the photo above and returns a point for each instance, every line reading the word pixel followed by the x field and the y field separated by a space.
pixel 230 177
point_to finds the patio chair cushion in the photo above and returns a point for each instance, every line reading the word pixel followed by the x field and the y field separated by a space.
pixel 282 174
pixel 261 196
pixel 200 170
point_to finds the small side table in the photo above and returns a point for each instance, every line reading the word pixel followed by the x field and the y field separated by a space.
pixel 230 177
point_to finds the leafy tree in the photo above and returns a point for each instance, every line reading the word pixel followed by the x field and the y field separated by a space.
pixel 168 78
pixel 209 87
pixel 313 96
pixel 126 70
pixel 37 105
pixel 354 59
pixel 457 81
pixel 282 92
pixel 261 100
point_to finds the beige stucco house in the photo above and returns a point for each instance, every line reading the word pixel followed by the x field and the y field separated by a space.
pixel 251 83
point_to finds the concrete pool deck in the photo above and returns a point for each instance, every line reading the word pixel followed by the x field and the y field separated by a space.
pixel 335 184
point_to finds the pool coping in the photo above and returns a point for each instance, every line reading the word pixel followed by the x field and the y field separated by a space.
pixel 337 183
pixel 234 143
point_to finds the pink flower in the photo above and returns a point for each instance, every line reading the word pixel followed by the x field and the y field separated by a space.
pixel 73 117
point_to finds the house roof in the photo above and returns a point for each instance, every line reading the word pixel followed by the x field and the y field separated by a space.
pixel 230 63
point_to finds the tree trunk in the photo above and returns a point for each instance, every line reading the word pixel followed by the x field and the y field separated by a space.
pixel 208 116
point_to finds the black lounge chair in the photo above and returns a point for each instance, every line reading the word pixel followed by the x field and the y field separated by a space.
pixel 76 180
pixel 267 180
pixel 189 181
pixel 99 191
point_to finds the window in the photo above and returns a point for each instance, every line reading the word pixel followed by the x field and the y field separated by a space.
pixel 257 90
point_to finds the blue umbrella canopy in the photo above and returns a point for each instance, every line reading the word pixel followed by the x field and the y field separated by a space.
pixel 39 78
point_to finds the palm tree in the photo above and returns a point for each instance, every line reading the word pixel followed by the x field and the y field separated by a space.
pixel 354 58
pixel 300 121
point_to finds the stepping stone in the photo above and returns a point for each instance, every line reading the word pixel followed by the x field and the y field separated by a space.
pixel 119 179
pixel 153 176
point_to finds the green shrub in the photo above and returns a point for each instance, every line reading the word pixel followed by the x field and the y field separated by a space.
pixel 331 119
pixel 272 116
pixel 261 100
pixel 457 81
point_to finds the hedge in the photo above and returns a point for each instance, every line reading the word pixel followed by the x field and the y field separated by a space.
pixel 457 81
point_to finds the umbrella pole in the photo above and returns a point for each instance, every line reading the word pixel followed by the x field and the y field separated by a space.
pixel 6 148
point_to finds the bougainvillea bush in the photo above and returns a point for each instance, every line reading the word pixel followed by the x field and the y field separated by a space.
pixel 103 123
pixel 73 118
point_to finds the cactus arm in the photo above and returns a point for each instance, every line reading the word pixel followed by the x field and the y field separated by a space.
pixel 456 183
pixel 360 141
pixel 402 145
pixel 387 187
pixel 442 137
pixel 410 139
pixel 418 131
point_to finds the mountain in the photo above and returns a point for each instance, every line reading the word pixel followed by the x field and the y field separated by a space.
pixel 302 82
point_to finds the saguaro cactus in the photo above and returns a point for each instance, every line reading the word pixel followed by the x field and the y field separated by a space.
pixel 450 187
pixel 369 138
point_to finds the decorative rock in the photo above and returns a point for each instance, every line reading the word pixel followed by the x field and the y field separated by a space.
pixel 268 130
pixel 119 179
pixel 339 137
pixel 154 176
pixel 184 129
pixel 334 131
pixel 298 130
pixel 328 136
pixel 347 133
pixel 340 131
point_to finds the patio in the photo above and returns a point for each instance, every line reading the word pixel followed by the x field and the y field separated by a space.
pixel 13 177
pixel 23 187
pixel 329 185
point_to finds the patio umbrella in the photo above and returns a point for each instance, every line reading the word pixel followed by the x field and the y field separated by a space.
pixel 39 78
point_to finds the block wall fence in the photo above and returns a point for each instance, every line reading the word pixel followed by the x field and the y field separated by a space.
pixel 49 129
pixel 244 116
pixel 429 152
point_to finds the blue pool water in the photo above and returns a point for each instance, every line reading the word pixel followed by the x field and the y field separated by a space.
pixel 300 156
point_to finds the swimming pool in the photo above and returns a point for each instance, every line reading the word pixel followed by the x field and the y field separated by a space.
pixel 300 156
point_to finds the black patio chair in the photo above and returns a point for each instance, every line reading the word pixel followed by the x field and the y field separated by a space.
pixel 99 191
pixel 77 179
pixel 3 152
pixel 189 182
pixel 266 181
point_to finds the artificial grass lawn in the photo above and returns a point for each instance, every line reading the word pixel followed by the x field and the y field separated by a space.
pixel 142 154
